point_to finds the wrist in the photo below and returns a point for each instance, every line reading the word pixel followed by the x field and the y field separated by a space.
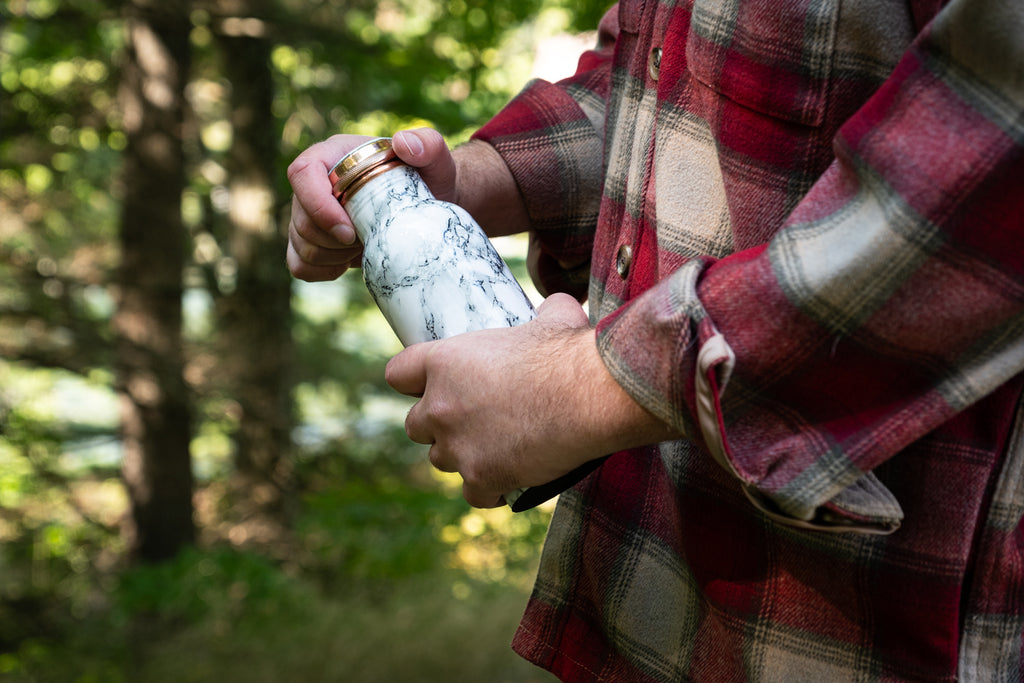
pixel 619 420
pixel 589 414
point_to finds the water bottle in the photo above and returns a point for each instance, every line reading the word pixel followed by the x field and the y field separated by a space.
pixel 429 265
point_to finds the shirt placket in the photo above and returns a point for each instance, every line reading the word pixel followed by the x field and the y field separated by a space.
pixel 637 252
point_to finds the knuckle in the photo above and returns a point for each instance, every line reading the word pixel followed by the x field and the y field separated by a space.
pixel 291 260
pixel 480 499
pixel 311 273
pixel 308 253
pixel 474 474
pixel 441 459
pixel 324 212
pixel 298 166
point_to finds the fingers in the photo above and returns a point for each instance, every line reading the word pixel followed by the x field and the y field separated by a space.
pixel 309 272
pixel 406 373
pixel 473 494
pixel 304 225
pixel 308 178
pixel 425 422
pixel 322 243
pixel 481 499
pixel 316 256
pixel 438 460
pixel 426 149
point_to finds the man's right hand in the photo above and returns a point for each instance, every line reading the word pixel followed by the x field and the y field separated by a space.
pixel 322 244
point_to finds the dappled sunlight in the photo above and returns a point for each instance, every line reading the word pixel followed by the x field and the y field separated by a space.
pixel 250 208
pixel 157 73
pixel 493 545
pixel 372 544
pixel 250 27
pixel 103 501
pixel 137 327
pixel 497 545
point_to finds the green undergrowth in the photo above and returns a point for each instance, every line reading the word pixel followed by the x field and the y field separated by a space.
pixel 376 584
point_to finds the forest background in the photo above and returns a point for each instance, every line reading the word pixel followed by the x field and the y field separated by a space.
pixel 203 476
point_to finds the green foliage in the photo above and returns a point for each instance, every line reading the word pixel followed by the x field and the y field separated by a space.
pixel 59 144
pixel 59 502
pixel 366 531
pixel 375 587
pixel 380 550
pixel 222 583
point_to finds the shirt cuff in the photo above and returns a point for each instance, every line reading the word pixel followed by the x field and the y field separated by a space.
pixel 668 355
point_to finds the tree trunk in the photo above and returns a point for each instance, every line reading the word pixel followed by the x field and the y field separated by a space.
pixel 255 317
pixel 155 415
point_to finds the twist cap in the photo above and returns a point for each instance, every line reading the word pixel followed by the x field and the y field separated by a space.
pixel 353 165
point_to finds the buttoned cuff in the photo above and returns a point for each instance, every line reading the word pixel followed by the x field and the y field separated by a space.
pixel 668 355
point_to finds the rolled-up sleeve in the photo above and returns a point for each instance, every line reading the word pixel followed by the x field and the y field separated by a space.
pixel 892 299
pixel 551 138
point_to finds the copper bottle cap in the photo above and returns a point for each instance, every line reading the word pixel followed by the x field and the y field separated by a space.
pixel 354 169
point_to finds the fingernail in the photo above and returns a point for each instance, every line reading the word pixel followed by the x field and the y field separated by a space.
pixel 343 233
pixel 412 142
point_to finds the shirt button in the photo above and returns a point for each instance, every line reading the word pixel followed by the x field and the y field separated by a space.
pixel 623 260
pixel 654 63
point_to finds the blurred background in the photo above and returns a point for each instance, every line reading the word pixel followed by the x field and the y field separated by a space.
pixel 203 476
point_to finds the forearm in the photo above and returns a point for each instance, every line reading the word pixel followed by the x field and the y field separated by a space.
pixel 594 401
pixel 485 187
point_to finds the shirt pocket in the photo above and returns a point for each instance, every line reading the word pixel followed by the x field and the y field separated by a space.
pixel 772 56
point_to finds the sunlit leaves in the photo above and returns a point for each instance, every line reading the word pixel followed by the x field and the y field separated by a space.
pixel 36 9
pixel 366 67
pixel 38 179
pixel 452 63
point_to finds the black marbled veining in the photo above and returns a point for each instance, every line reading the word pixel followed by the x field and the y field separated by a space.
pixel 428 265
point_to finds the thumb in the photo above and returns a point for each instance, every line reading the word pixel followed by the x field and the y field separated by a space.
pixel 426 150
pixel 406 373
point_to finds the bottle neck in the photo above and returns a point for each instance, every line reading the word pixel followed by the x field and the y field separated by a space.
pixel 384 194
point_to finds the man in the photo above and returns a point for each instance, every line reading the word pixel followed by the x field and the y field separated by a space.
pixel 802 228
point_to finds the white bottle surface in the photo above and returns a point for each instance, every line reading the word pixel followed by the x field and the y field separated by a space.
pixel 429 266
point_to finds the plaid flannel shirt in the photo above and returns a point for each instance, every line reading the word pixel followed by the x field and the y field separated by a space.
pixel 804 222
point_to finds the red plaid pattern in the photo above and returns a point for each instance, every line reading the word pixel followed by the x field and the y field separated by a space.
pixel 825 291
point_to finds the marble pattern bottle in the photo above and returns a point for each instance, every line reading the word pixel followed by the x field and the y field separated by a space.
pixel 429 266
pixel 427 263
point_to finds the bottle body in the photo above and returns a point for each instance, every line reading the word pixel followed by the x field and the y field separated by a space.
pixel 429 266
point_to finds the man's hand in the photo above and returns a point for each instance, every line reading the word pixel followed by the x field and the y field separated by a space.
pixel 517 407
pixel 322 243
